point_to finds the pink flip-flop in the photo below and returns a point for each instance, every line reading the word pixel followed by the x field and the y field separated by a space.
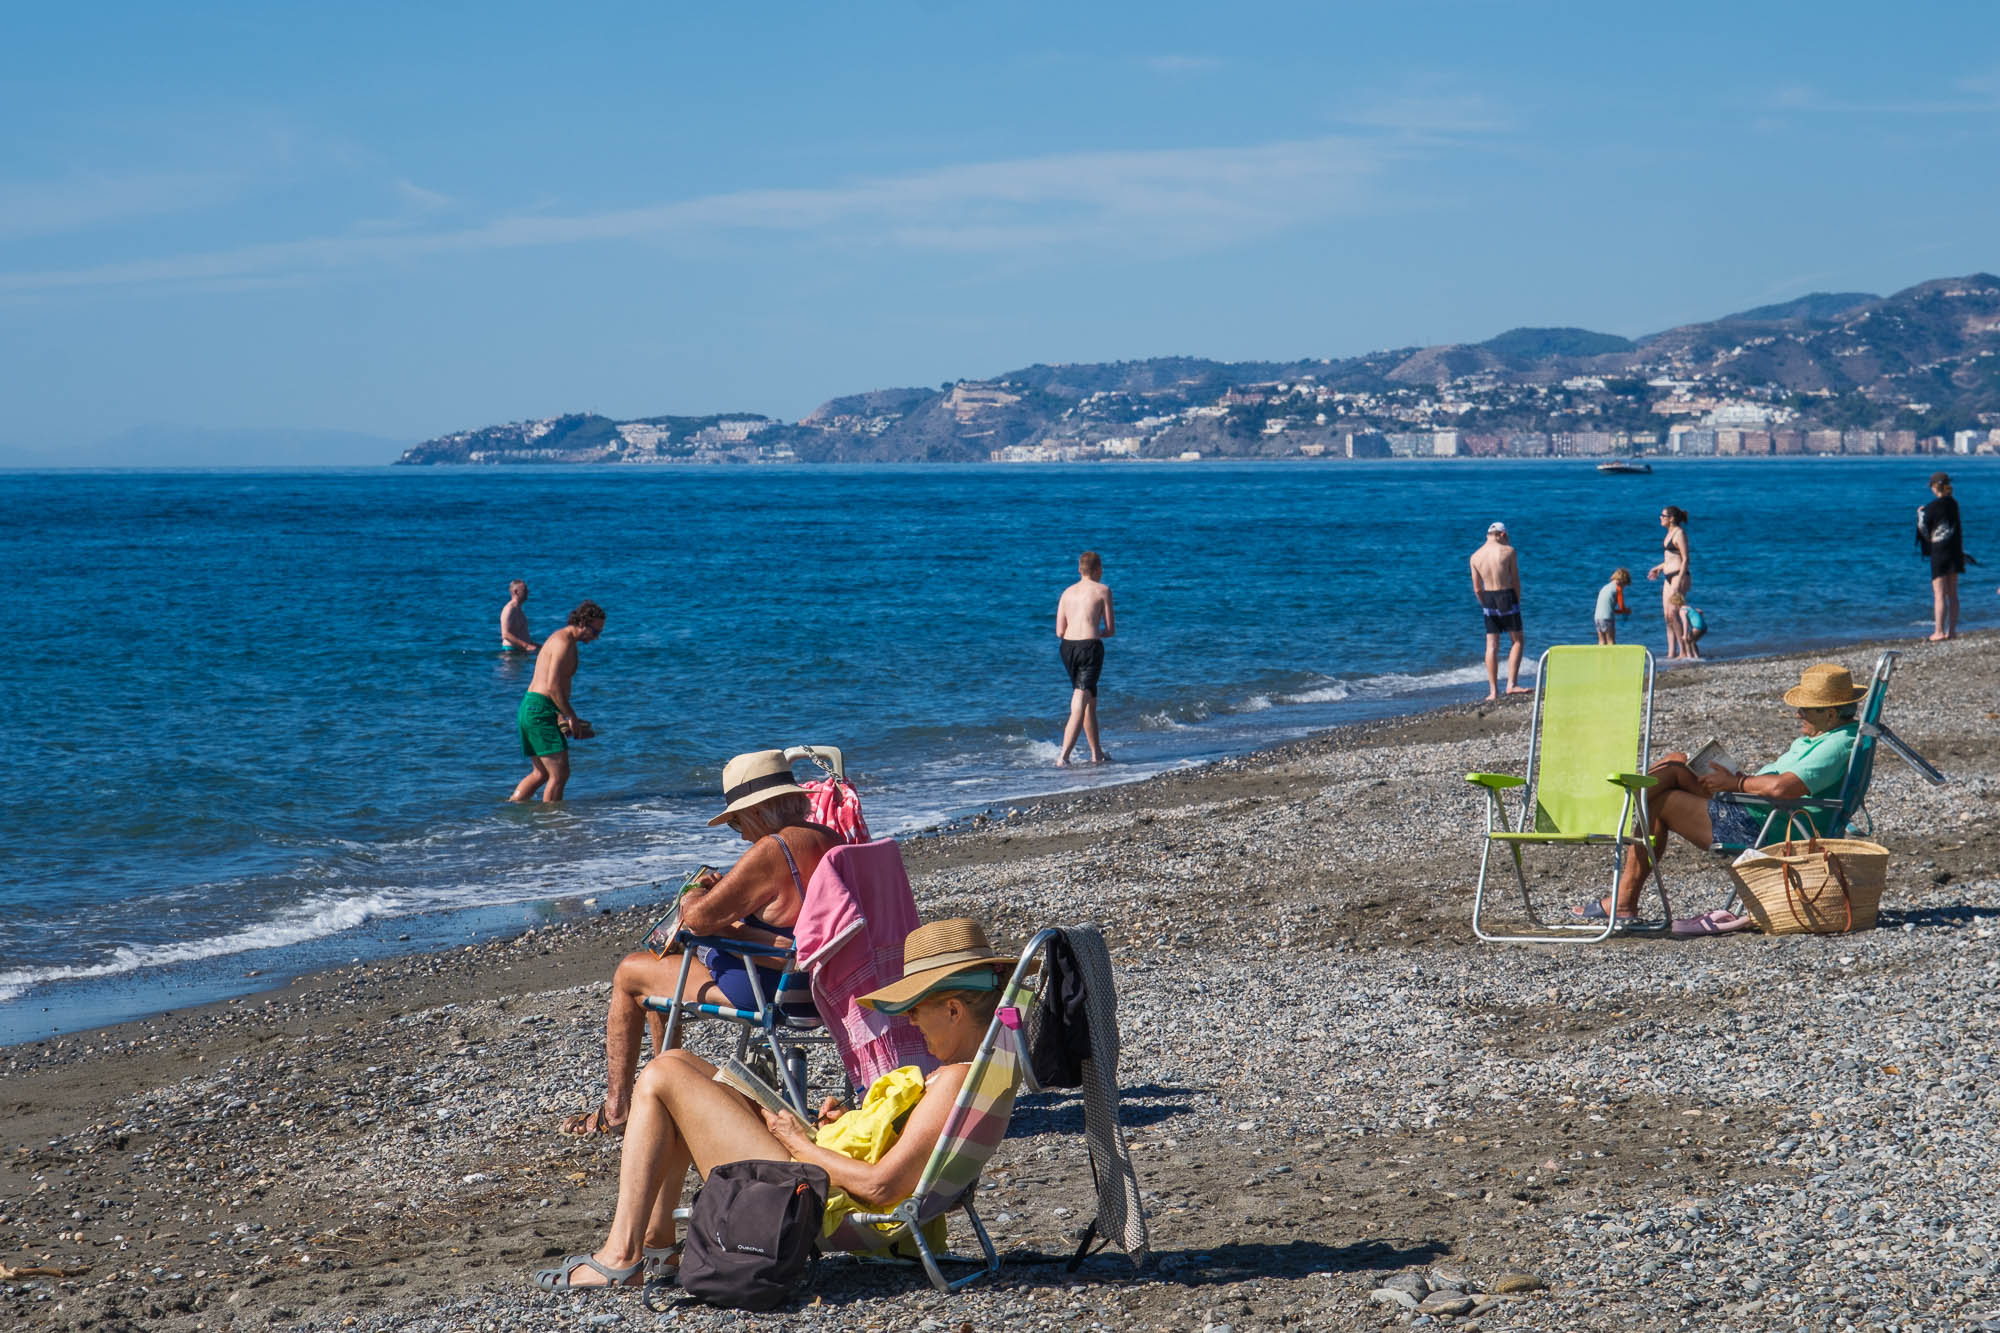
pixel 1721 921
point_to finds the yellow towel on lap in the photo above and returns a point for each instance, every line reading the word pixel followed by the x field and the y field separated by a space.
pixel 868 1131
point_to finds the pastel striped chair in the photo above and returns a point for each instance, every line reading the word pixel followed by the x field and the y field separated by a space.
pixel 973 1130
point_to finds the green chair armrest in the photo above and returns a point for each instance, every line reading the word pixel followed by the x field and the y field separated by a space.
pixel 1632 781
pixel 1494 781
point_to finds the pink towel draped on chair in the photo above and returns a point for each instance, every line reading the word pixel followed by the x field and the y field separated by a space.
pixel 858 910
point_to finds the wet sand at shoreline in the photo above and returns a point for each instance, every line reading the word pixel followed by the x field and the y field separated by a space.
pixel 1329 1081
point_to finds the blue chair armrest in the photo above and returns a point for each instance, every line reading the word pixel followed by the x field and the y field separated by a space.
pixel 1494 781
pixel 745 948
pixel 1632 781
pixel 1780 802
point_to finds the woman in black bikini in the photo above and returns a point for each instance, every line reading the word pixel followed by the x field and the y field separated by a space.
pixel 1677 570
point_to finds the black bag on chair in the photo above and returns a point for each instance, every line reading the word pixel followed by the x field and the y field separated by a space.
pixel 753 1228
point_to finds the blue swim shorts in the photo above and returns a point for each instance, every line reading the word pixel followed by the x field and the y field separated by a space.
pixel 1734 825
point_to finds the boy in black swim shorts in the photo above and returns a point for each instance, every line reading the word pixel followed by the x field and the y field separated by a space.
pixel 1083 622
pixel 1083 659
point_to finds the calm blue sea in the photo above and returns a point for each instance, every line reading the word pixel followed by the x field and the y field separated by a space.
pixel 260 724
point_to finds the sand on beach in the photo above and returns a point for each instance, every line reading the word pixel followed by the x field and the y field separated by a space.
pixel 1328 1080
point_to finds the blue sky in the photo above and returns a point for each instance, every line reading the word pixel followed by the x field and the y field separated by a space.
pixel 413 218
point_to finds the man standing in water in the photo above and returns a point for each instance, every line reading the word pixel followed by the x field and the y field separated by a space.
pixel 1083 622
pixel 514 637
pixel 1496 582
pixel 545 718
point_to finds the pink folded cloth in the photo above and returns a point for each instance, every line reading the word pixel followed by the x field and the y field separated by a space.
pixel 1719 922
pixel 858 910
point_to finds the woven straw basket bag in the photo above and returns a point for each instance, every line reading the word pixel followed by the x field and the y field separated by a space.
pixel 1823 886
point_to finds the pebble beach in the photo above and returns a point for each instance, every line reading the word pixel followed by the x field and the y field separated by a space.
pixel 1346 1113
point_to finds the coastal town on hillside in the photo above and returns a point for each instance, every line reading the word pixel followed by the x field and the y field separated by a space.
pixel 1828 374
pixel 1297 418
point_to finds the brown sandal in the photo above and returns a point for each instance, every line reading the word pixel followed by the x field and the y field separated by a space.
pixel 586 1123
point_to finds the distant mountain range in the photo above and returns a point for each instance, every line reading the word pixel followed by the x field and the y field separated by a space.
pixel 1926 359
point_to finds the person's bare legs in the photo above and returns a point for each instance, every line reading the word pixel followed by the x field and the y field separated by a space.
pixel 1944 607
pixel 1080 701
pixel 1676 804
pixel 680 1116
pixel 1689 646
pixel 558 766
pixel 1493 666
pixel 1514 663
pixel 525 788
pixel 625 1024
pixel 1097 754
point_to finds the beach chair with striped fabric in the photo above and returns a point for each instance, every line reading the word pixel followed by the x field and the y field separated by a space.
pixel 977 1123
pixel 1588 741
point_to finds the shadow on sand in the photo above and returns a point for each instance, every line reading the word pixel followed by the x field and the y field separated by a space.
pixel 1061 1111
pixel 1218 1264
pixel 1954 917
pixel 842 1282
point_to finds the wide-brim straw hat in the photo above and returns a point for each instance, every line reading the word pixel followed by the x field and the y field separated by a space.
pixel 1827 685
pixel 754 778
pixel 934 953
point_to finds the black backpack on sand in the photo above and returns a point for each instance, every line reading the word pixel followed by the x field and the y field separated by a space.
pixel 753 1228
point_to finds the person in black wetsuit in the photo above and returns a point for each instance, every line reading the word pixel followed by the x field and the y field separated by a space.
pixel 1940 538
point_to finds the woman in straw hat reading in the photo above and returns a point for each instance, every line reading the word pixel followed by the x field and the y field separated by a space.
pixel 681 1116
pixel 759 898
pixel 1683 801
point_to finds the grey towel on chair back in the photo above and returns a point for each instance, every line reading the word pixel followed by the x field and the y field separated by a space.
pixel 1079 956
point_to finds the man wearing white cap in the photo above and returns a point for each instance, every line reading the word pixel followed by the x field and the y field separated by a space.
pixel 1496 583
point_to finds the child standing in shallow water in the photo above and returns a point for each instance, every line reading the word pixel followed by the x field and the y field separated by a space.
pixel 1611 602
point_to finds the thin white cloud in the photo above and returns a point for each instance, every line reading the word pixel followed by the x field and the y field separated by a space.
pixel 1154 201
pixel 1428 110
pixel 93 199
pixel 1977 95
pixel 421 200
pixel 1182 64
pixel 418 208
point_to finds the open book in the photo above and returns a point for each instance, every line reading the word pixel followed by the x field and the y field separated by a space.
pixel 1712 758
pixel 735 1074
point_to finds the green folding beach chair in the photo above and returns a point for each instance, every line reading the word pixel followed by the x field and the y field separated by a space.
pixel 1587 753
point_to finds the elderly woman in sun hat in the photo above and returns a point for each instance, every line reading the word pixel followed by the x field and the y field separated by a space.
pixel 758 899
pixel 681 1116
pixel 1825 701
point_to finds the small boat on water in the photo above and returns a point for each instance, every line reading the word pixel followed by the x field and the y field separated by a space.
pixel 1625 465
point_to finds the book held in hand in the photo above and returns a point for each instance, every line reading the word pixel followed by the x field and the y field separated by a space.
pixel 1712 758
pixel 660 940
pixel 735 1074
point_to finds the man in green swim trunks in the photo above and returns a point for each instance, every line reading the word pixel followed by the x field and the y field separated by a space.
pixel 545 718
